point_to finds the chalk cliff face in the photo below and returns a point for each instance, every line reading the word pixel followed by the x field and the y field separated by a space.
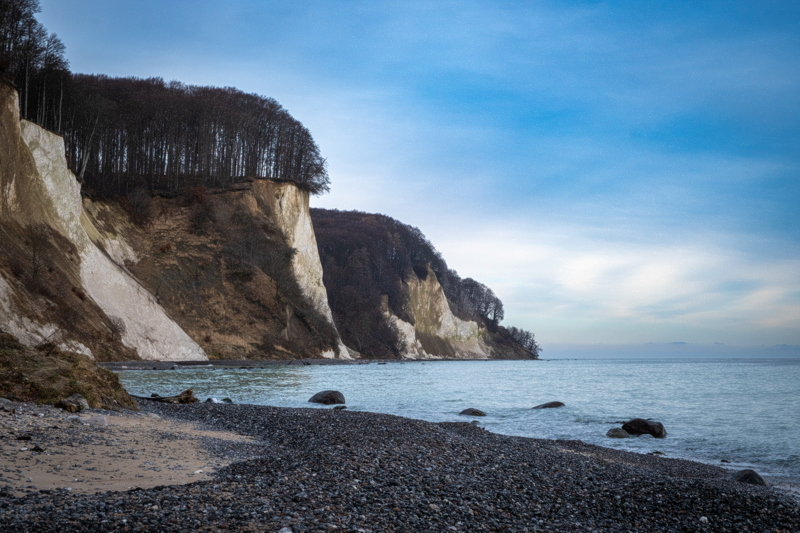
pixel 41 204
pixel 437 332
pixel 290 207
pixel 237 269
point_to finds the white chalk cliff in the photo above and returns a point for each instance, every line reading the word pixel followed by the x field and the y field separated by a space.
pixel 290 207
pixel 437 332
pixel 37 187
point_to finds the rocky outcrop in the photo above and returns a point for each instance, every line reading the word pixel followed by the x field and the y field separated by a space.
pixel 40 194
pixel 472 412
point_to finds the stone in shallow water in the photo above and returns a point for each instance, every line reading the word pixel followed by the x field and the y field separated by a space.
pixel 328 397
pixel 617 433
pixel 750 477
pixel 549 405
pixel 472 412
pixel 640 426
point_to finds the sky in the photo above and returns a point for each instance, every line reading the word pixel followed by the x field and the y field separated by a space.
pixel 624 175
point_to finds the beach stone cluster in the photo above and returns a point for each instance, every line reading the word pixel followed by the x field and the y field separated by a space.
pixel 326 470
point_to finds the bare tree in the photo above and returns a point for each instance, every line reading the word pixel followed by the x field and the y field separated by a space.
pixel 177 136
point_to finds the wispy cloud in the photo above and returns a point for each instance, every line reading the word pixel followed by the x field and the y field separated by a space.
pixel 576 288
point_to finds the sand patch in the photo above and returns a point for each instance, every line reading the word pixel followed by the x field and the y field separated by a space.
pixel 133 450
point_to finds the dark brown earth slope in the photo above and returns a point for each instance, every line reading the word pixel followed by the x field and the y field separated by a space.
pixel 220 264
pixel 46 375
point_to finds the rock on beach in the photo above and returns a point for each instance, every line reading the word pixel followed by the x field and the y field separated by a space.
pixel 328 397
pixel 749 476
pixel 73 404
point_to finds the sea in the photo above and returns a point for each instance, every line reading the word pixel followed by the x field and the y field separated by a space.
pixel 735 413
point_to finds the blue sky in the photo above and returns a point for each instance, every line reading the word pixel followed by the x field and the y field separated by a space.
pixel 618 172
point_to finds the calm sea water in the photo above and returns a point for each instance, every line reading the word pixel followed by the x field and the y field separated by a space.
pixel 743 411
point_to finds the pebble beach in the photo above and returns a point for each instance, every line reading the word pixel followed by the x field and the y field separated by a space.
pixel 261 468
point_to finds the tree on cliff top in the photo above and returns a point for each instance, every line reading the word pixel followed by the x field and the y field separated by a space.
pixel 526 339
pixel 34 60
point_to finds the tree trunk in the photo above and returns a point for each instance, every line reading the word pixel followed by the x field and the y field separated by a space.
pixel 60 101
pixel 87 152
pixel 27 70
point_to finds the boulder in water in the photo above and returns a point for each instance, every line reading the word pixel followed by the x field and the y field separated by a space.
pixel 328 397
pixel 617 433
pixel 750 477
pixel 472 412
pixel 549 405
pixel 640 426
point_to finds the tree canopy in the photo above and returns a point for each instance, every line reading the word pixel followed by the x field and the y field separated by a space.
pixel 124 133
pixel 34 60
pixel 171 136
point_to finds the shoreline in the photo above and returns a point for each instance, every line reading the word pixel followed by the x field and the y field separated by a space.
pixel 260 363
pixel 323 470
pixel 788 481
